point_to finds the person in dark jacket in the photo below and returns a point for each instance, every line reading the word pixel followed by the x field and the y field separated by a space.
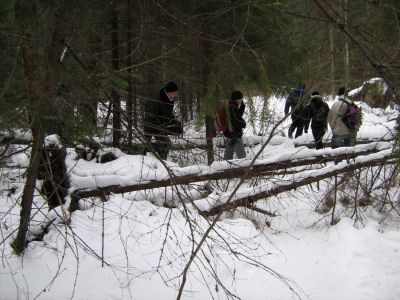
pixel 318 112
pixel 236 124
pixel 296 103
pixel 159 120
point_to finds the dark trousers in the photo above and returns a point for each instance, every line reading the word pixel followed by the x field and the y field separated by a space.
pixel 234 146
pixel 161 146
pixel 318 134
pixel 343 141
pixel 298 124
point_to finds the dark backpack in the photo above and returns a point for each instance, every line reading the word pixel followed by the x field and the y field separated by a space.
pixel 352 117
pixel 222 121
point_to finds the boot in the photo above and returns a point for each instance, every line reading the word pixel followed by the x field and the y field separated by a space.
pixel 290 133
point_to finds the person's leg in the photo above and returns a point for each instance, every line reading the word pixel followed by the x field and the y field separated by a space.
pixel 353 140
pixel 318 135
pixel 229 149
pixel 299 130
pixel 163 145
pixel 349 141
pixel 298 125
pixel 239 148
pixel 291 130
pixel 337 141
pixel 319 145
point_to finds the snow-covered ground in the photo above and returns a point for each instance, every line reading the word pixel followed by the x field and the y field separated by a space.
pixel 136 247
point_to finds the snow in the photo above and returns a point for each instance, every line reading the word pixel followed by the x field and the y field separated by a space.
pixel 381 83
pixel 135 246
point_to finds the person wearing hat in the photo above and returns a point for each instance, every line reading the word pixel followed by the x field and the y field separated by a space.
pixel 234 141
pixel 342 136
pixel 296 103
pixel 318 112
pixel 159 121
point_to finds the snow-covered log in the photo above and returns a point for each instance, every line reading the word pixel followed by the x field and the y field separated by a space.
pixel 213 206
pixel 237 169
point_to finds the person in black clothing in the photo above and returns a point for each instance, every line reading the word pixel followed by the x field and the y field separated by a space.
pixel 159 121
pixel 318 112
pixel 236 123
pixel 296 103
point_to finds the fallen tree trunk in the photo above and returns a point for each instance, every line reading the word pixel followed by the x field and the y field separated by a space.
pixel 255 171
pixel 285 187
pixel 137 148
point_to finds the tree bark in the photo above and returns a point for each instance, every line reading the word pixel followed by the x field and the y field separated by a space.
pixel 55 185
pixel 210 133
pixel 34 85
pixel 27 195
pixel 331 44
pixel 89 108
pixel 115 66
pixel 346 45
pixel 129 99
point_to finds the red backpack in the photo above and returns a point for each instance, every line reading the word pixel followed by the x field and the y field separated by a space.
pixel 221 120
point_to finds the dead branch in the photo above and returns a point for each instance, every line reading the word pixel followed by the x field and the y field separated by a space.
pixel 261 211
pixel 243 202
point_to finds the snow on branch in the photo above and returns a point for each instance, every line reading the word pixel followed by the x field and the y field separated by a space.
pixel 227 169
pixel 214 205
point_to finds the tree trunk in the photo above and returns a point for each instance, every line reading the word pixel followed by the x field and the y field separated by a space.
pixel 52 167
pixel 89 108
pixel 54 172
pixel 34 86
pixel 184 103
pixel 346 46
pixel 331 44
pixel 190 109
pixel 27 196
pixel 115 66
pixel 210 132
pixel 129 99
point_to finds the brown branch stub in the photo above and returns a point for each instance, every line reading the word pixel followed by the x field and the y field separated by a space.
pixel 261 211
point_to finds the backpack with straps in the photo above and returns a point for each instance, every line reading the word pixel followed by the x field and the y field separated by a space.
pixel 352 117
pixel 222 122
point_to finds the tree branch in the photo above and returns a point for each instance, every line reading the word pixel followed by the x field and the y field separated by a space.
pixel 246 201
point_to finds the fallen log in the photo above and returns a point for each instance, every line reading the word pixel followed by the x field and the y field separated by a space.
pixel 137 148
pixel 293 184
pixel 258 170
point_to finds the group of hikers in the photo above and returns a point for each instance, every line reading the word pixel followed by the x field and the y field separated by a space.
pixel 316 111
pixel 159 121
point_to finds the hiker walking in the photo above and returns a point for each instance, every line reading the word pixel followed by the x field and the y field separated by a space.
pixel 342 135
pixel 296 103
pixel 234 141
pixel 318 111
pixel 159 121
